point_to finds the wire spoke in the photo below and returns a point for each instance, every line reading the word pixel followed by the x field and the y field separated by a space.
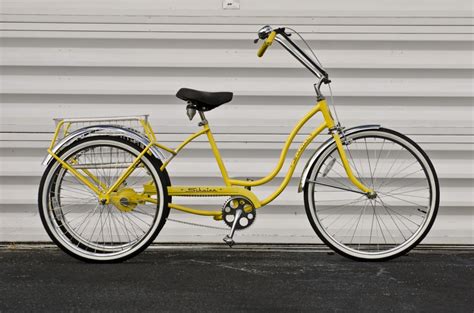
pixel 339 206
pixel 317 183
pixel 411 202
pixel 368 160
pixel 398 213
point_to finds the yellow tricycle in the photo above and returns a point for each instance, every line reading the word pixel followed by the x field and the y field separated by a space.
pixel 370 193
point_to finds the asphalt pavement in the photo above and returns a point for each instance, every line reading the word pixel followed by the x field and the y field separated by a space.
pixel 243 279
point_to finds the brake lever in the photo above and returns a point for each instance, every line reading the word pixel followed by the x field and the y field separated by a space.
pixel 278 30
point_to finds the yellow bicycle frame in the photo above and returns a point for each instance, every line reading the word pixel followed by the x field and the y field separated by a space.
pixel 233 187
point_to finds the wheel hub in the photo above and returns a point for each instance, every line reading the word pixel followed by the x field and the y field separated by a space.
pixel 372 195
pixel 126 199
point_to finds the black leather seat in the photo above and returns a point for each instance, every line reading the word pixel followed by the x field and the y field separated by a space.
pixel 203 100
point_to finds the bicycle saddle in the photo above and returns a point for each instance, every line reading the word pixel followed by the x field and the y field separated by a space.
pixel 203 100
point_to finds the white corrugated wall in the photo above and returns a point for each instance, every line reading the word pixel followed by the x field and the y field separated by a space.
pixel 405 64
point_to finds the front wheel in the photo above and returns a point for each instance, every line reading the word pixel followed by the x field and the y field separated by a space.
pixel 373 228
pixel 92 230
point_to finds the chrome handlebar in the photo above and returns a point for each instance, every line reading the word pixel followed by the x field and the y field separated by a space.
pixel 295 51
pixel 264 32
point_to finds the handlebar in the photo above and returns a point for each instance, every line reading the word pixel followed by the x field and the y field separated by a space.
pixel 267 43
pixel 268 34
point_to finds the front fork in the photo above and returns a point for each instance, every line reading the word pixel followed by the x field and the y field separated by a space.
pixel 335 131
pixel 347 167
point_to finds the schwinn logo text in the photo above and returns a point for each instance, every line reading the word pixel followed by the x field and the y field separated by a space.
pixel 200 189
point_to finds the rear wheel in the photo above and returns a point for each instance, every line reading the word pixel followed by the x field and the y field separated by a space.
pixel 396 219
pixel 85 228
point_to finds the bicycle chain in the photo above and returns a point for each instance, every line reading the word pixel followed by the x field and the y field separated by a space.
pixel 197 224
pixel 227 229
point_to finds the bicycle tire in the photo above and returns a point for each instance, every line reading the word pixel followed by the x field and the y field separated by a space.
pixel 327 232
pixel 70 241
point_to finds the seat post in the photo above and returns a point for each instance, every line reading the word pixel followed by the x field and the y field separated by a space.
pixel 203 119
pixel 215 150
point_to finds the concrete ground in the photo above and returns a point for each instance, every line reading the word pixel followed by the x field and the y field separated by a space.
pixel 203 278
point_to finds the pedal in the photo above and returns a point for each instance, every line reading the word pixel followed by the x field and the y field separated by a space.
pixel 229 241
pixel 229 238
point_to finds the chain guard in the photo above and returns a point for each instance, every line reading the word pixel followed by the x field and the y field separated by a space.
pixel 239 203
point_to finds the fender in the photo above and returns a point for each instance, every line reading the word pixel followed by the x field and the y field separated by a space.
pixel 326 144
pixel 109 130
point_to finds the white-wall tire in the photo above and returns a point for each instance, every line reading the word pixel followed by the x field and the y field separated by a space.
pixel 115 248
pixel 356 242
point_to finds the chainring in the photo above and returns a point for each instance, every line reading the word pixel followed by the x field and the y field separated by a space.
pixel 232 205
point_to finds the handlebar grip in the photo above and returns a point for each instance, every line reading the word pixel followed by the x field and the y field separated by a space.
pixel 262 49
pixel 267 43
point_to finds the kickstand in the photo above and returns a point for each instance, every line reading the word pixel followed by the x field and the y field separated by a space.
pixel 229 238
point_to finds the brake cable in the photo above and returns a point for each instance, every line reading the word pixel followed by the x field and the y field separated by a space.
pixel 321 65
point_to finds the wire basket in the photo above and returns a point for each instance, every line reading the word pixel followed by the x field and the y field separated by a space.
pixel 66 126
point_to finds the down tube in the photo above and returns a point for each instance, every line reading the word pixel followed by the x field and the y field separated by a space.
pixel 293 164
pixel 284 151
